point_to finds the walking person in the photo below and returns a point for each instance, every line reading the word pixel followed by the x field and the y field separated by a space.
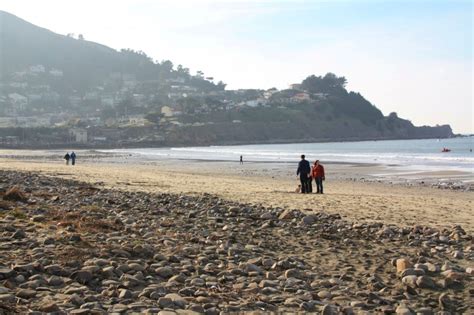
pixel 317 172
pixel 241 160
pixel 304 171
pixel 73 158
pixel 67 157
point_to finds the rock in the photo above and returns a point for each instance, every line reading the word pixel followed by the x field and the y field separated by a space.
pixel 177 299
pixel 54 269
pixel 425 282
pixel 38 218
pixel 4 290
pixel 19 234
pixel 269 291
pixel 329 309
pixel 324 294
pixel 453 275
pixel 412 272
pixel 424 311
pixel 55 281
pixel 432 267
pixel 309 219
pixel 444 301
pixel 6 273
pixel 136 267
pixel 410 280
pixel 286 215
pixel 292 273
pixel 7 298
pixel 82 276
pixel 458 254
pixel 402 309
pixel 165 302
pixel 402 264
pixel 165 272
pixel 266 216
pixel 26 294
pixel 125 294
pixel 75 299
pixel 251 268
pixel 49 308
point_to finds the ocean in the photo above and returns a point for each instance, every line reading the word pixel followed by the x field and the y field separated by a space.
pixel 424 155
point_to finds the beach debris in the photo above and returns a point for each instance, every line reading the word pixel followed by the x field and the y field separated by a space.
pixel 15 194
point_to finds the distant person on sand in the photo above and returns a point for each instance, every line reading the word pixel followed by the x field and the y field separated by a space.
pixel 73 158
pixel 304 171
pixel 241 159
pixel 317 172
pixel 67 157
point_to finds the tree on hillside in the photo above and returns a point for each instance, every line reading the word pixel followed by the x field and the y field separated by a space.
pixel 166 66
pixel 221 86
pixel 154 117
pixel 182 71
pixel 330 84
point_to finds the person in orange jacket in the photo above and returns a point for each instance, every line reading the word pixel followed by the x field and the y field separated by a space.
pixel 317 172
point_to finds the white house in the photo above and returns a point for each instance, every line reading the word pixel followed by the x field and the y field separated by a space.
pixel 18 101
pixel 79 135
pixel 37 69
pixel 167 111
pixel 56 72
pixel 301 97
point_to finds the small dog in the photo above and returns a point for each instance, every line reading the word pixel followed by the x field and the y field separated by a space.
pixel 298 189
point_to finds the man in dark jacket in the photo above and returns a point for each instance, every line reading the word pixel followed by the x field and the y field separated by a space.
pixel 304 171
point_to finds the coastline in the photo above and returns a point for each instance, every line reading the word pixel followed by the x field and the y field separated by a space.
pixel 165 144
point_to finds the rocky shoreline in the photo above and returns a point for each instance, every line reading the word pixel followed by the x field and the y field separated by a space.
pixel 68 247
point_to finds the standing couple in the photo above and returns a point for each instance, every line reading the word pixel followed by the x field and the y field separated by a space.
pixel 307 174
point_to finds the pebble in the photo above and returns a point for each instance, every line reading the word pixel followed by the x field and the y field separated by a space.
pixel 107 251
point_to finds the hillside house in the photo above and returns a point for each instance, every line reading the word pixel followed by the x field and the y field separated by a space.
pixel 301 97
pixel 296 86
pixel 137 120
pixel 167 111
pixel 37 69
pixel 18 101
pixel 78 135
pixel 56 72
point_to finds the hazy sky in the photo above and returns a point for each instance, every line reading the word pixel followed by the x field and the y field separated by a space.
pixel 411 57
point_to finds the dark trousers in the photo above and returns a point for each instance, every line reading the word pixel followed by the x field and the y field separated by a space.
pixel 306 186
pixel 73 161
pixel 319 184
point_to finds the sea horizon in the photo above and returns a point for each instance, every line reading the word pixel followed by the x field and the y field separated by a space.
pixel 417 154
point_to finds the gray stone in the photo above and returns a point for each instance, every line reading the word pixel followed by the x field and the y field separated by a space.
pixel 165 272
pixel 55 281
pixel 82 276
pixel 19 234
pixel 330 309
pixel 6 273
pixel 425 282
pixel 125 294
pixel 7 298
pixel 26 293
pixel 309 219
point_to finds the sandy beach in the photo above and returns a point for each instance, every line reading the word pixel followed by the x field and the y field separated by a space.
pixel 119 234
pixel 349 189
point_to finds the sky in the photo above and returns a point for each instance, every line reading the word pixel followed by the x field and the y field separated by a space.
pixel 412 57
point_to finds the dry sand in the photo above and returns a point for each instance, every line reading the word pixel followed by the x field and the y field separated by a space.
pixel 274 185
